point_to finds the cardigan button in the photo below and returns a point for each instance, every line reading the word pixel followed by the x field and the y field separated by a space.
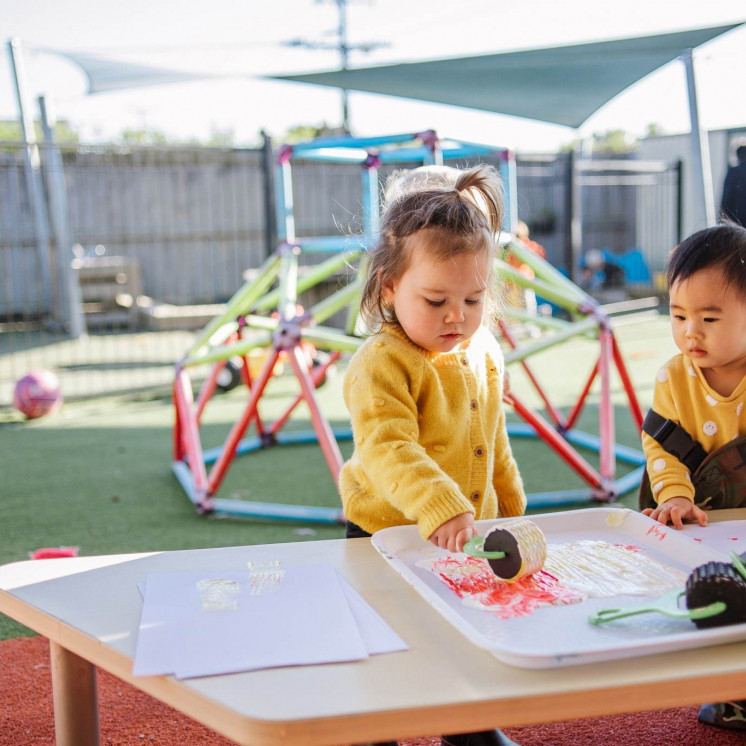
pixel 464 361
pixel 475 496
pixel 474 405
pixel 479 451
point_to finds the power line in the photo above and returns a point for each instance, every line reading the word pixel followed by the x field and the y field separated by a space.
pixel 342 45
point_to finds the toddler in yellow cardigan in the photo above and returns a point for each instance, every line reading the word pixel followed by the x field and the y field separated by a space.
pixel 702 390
pixel 424 391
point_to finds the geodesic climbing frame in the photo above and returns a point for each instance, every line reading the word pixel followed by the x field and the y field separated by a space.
pixel 263 316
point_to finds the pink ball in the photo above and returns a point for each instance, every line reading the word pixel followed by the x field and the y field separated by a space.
pixel 37 393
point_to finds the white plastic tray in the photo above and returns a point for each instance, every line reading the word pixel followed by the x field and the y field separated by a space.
pixel 562 635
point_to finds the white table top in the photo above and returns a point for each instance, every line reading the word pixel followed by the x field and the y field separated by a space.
pixel 91 606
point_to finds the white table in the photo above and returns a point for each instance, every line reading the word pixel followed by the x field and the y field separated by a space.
pixel 89 608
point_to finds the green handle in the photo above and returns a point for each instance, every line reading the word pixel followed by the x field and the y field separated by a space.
pixel 668 605
pixel 473 548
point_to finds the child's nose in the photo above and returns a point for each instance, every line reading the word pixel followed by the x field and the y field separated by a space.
pixel 454 314
pixel 693 329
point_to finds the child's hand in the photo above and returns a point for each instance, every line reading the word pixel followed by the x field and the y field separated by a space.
pixel 454 533
pixel 676 510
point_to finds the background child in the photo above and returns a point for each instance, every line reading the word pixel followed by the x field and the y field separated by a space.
pixel 703 389
pixel 424 392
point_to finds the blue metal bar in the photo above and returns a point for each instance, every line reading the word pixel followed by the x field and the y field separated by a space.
pixel 552 499
pixel 352 142
pixel 629 482
pixel 186 480
pixel 371 208
pixel 335 243
pixel 284 202
pixel 254 443
pixel 278 511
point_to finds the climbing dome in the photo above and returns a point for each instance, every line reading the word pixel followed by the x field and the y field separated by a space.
pixel 264 316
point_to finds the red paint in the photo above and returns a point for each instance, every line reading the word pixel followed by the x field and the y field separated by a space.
pixel 658 531
pixel 473 578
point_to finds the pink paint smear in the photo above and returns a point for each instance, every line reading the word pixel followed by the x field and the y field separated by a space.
pixel 472 579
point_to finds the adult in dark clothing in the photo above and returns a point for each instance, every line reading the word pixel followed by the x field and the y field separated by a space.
pixel 734 190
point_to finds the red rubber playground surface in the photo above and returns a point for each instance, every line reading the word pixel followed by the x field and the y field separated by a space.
pixel 129 717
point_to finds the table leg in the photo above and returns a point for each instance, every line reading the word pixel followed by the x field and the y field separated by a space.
pixel 75 700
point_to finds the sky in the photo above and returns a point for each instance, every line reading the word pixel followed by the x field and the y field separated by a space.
pixel 240 41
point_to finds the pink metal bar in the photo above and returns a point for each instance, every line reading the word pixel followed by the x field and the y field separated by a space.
pixel 550 436
pixel 189 432
pixel 323 430
pixel 554 413
pixel 607 459
pixel 578 408
pixel 219 469
pixel 634 405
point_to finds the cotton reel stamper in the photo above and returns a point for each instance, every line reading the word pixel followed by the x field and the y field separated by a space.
pixel 514 549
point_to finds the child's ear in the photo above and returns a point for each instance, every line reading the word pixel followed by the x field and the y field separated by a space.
pixel 388 291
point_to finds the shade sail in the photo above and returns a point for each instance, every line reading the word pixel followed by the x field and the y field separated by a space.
pixel 112 75
pixel 561 85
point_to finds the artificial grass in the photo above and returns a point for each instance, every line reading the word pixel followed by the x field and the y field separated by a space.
pixel 97 475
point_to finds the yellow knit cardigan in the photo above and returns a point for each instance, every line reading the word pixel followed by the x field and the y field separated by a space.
pixel 430 437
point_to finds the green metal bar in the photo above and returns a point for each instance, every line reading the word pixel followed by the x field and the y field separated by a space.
pixel 335 302
pixel 578 328
pixel 225 352
pixel 313 277
pixel 330 339
pixel 554 294
pixel 546 322
pixel 544 270
pixel 239 304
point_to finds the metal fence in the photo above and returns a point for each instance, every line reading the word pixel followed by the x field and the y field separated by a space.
pixel 163 236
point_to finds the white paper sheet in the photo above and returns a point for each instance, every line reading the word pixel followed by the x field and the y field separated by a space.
pixel 311 616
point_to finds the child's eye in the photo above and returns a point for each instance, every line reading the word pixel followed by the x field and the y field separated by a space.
pixel 710 320
pixel 436 303
pixel 678 317
pixel 473 301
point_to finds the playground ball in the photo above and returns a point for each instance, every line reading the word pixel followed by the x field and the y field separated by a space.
pixel 37 393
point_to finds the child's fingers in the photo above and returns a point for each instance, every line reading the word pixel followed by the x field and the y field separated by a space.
pixel 677 515
pixel 463 536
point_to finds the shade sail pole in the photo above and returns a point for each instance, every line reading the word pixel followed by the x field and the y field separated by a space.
pixel 32 170
pixel 704 198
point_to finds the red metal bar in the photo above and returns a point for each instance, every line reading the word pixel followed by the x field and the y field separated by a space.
pixel 554 413
pixel 317 375
pixel 552 438
pixel 220 467
pixel 178 446
pixel 208 389
pixel 634 404
pixel 323 430
pixel 578 408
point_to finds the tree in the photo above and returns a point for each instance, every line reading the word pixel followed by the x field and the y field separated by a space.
pixel 304 132
pixel 10 131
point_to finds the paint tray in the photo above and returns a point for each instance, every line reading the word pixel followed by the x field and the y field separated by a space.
pixel 562 635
